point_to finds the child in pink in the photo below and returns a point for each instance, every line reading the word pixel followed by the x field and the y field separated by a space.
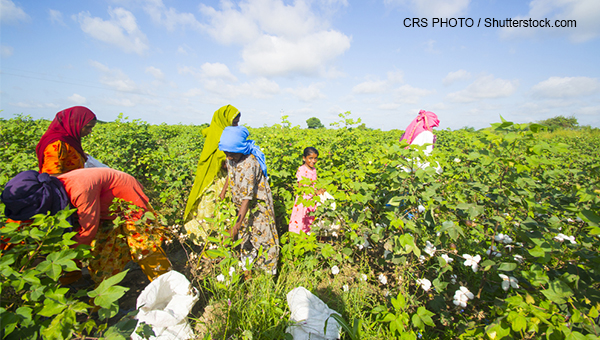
pixel 300 220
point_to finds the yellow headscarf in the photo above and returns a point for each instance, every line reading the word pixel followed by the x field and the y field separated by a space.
pixel 211 158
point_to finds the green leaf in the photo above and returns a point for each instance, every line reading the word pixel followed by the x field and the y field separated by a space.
pixel 107 293
pixel 517 321
pixel 52 307
pixel 507 266
pixel 557 292
pixel 537 251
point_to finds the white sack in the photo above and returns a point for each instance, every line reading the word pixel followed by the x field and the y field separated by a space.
pixel 165 304
pixel 94 163
pixel 309 314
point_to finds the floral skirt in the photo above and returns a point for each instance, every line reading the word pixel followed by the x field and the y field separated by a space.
pixel 137 239
pixel 259 232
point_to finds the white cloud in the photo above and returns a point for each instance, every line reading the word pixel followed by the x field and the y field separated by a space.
pixel 584 12
pixel 429 46
pixel 121 102
pixel 278 56
pixel 170 18
pixel 35 105
pixel 261 88
pixel 432 8
pixel 371 86
pixel 379 86
pixel 410 95
pixel 77 99
pixel 121 30
pixel 11 13
pixel 557 87
pixel 309 93
pixel 183 50
pixel 590 110
pixel 277 39
pixel 6 51
pixel 195 92
pixel 217 70
pixel 456 76
pixel 484 87
pixel 56 17
pixel 114 78
pixel 155 72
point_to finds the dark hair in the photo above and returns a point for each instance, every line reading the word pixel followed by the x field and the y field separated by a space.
pixel 310 150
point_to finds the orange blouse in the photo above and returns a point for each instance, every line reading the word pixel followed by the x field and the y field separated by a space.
pixel 60 157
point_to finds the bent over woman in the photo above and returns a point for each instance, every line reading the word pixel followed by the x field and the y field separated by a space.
pixel 92 192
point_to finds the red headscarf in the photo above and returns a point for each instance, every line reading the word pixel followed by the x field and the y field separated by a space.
pixel 66 126
pixel 426 121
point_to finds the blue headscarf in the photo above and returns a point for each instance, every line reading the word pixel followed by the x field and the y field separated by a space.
pixel 234 140
pixel 30 193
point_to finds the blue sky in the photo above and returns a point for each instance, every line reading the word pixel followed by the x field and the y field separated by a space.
pixel 167 61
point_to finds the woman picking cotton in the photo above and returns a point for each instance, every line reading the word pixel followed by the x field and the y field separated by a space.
pixel 251 194
pixel 211 175
pixel 92 192
pixel 420 132
pixel 59 150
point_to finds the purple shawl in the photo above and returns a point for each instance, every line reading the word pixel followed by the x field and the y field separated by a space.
pixel 30 193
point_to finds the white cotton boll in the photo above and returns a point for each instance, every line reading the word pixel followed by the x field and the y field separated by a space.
pixel 508 281
pixel 429 249
pixel 231 271
pixel 492 251
pixel 562 237
pixel 472 261
pixel 447 258
pixel 424 283
pixel 421 208
pixel 383 279
pixel 422 259
pixel 335 270
pixel 345 288
pixel 457 160
pixel 462 296
pixel 220 277
pixel 363 277
pixel 519 258
pixel 453 279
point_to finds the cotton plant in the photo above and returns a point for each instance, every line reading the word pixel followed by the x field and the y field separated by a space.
pixel 429 249
pixel 493 251
pixel 424 283
pixel 503 238
pixel 447 258
pixel 472 261
pixel 383 279
pixel 335 270
pixel 509 281
pixel 462 296
pixel 562 237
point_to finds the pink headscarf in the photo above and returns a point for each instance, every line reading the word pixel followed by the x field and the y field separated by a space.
pixel 426 121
